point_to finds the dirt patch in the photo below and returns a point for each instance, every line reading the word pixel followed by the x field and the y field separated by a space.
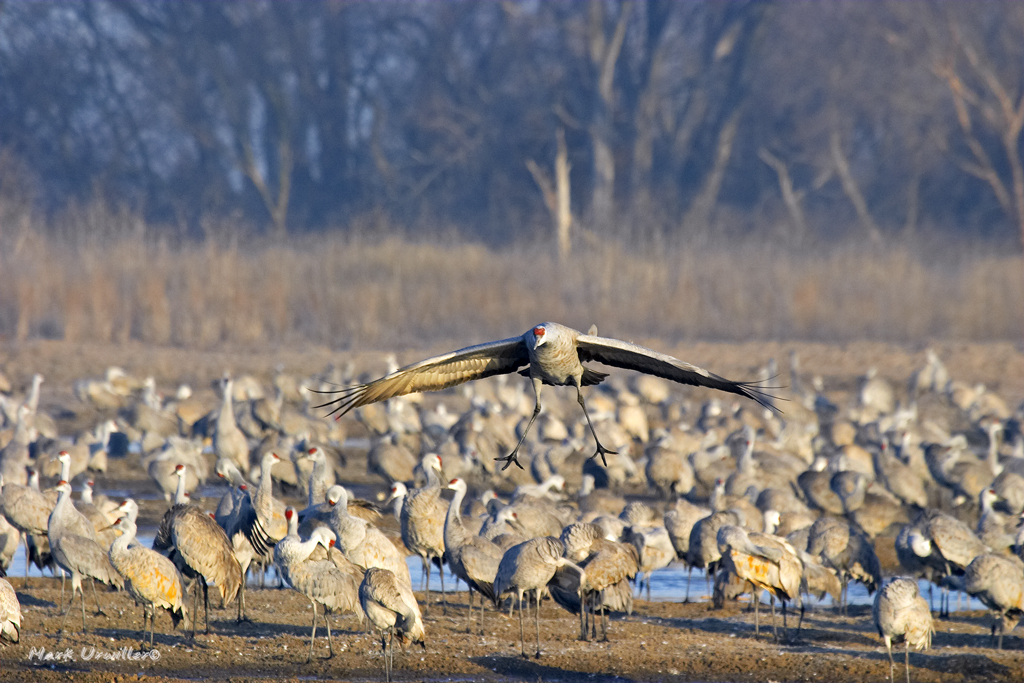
pixel 658 642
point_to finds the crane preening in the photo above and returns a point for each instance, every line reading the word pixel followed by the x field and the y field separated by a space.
pixel 554 355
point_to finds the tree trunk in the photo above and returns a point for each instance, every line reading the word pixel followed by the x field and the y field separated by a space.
pixel 790 197
pixel 852 189
pixel 699 213
pixel 557 196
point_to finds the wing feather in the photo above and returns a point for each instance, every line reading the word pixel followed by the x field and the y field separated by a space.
pixel 629 356
pixel 440 372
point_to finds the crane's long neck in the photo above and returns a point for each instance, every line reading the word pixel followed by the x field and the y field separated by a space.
pixel 993 451
pixel 65 469
pixel 454 531
pixel 399 502
pixel 179 491
pixel 58 518
pixel 318 480
pixel 264 502
pixel 121 543
pixel 33 398
pixel 86 495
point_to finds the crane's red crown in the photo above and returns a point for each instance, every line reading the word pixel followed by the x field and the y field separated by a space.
pixel 538 331
pixel 288 513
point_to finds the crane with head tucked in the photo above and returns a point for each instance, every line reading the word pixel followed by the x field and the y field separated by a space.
pixel 550 354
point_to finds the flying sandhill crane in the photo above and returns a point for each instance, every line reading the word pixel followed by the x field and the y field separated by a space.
pixel 319 580
pixel 228 440
pixel 150 578
pixel 472 558
pixel 555 355
pixel 528 567
pixel 998 582
pixel 846 549
pixel 76 554
pixel 201 551
pixel 900 611
pixel 422 523
pixel 10 612
pixel 391 607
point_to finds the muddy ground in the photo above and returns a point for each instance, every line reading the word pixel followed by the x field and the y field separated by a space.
pixel 660 641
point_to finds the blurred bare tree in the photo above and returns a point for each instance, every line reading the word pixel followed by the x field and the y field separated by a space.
pixel 682 121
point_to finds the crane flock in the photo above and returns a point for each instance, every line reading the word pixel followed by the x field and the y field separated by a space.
pixel 796 503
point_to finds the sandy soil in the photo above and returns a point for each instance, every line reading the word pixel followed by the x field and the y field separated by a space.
pixel 658 642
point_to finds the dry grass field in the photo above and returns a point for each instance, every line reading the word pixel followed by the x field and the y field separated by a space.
pixel 376 288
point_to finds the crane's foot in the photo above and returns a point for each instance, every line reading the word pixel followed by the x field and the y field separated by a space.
pixel 243 620
pixel 601 450
pixel 509 459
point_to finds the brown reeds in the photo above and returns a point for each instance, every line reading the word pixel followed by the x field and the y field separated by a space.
pixel 348 291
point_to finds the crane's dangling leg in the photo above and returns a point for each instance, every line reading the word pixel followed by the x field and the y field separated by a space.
pixel 511 457
pixel 601 450
pixel 906 660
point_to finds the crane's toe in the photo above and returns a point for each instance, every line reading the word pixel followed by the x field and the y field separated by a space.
pixel 509 460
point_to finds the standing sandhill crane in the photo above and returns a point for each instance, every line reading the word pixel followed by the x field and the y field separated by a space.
pixel 28 510
pixel 899 610
pixel 767 562
pixel 10 612
pixel 391 607
pixel 228 440
pixel 528 567
pixel 703 552
pixel 472 558
pixel 609 567
pixel 78 555
pixel 256 521
pixel 150 578
pixel 952 545
pixel 201 551
pixel 555 355
pixel 998 582
pixel 846 549
pixel 365 545
pixel 654 548
pixel 14 456
pixel 422 523
pixel 679 522
pixel 668 470
pixel 319 580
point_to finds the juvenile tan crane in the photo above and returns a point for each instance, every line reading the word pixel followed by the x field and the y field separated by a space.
pixel 554 355
pixel 150 578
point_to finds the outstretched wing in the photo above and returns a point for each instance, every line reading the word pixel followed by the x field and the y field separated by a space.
pixel 433 374
pixel 622 354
